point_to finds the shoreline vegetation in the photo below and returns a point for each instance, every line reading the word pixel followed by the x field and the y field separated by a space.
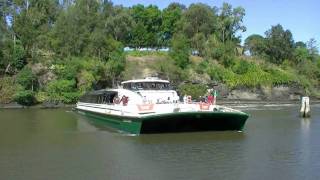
pixel 242 103
pixel 55 51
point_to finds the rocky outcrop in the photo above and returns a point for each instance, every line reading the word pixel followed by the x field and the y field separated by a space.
pixel 244 95
pixel 43 73
pixel 276 93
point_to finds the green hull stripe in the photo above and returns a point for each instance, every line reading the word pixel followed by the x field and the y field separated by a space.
pixel 123 124
pixel 174 122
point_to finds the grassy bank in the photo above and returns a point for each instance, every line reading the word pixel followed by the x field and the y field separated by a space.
pixel 245 72
pixel 65 81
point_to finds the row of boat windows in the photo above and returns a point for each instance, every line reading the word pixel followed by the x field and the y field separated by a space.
pixel 147 86
pixel 98 99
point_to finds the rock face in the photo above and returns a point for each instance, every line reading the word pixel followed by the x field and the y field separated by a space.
pixel 43 73
pixel 244 95
pixel 276 93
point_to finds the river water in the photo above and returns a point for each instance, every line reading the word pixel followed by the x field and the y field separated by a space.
pixel 60 144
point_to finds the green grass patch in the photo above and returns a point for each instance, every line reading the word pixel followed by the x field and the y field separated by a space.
pixel 248 74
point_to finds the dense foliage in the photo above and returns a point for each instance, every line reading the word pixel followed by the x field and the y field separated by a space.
pixel 55 50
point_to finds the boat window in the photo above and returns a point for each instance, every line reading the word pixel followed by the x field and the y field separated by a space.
pixel 140 86
pixel 147 86
pixel 99 97
pixel 104 100
pixel 127 86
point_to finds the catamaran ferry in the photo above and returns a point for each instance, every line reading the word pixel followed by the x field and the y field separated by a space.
pixel 150 106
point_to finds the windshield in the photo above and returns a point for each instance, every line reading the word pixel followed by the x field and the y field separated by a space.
pixel 147 86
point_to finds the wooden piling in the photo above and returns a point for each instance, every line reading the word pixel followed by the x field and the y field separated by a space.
pixel 305 107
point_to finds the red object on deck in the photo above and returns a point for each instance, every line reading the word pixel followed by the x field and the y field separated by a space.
pixel 145 107
pixel 210 99
pixel 124 100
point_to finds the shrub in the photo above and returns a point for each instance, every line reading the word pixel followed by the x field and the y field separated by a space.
pixel 280 77
pixel 7 89
pixel 26 79
pixel 70 97
pixel 194 90
pixel 25 97
pixel 201 67
pixel 242 67
pixel 228 61
pixel 63 91
pixel 19 59
pixel 41 97
pixel 64 71
pixel 85 81
pixel 180 50
pixel 219 73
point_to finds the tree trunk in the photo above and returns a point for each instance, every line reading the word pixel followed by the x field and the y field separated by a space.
pixel 27 4
pixel 7 69
pixel 223 36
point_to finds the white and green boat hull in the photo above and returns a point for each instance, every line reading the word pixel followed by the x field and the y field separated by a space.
pixel 171 122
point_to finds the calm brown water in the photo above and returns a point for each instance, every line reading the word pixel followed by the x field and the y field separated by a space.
pixel 59 144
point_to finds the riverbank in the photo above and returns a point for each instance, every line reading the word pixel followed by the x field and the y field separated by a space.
pixel 226 102
pixel 15 105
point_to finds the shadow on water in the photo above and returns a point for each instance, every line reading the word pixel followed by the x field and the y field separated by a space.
pixel 190 137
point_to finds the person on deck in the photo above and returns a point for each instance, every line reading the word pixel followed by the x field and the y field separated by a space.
pixel 116 100
pixel 124 100
pixel 210 99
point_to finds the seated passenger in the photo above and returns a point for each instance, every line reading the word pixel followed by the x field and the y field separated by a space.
pixel 124 100
pixel 116 100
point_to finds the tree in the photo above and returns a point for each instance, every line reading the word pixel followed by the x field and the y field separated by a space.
pixel 300 44
pixel 104 47
pixel 2 30
pixel 313 49
pixel 148 22
pixel 198 18
pixel 223 52
pixel 312 46
pixel 170 17
pixel 180 50
pixel 115 66
pixel 279 44
pixel 255 44
pixel 71 33
pixel 6 41
pixel 198 42
pixel 120 24
pixel 32 20
pixel 230 22
pixel 139 36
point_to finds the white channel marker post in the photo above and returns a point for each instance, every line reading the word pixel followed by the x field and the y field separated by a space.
pixel 305 107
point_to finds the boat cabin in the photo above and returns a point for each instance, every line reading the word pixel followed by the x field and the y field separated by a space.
pixel 99 97
pixel 152 90
pixel 146 84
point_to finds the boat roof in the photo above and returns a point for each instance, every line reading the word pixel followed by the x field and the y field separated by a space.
pixel 148 79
